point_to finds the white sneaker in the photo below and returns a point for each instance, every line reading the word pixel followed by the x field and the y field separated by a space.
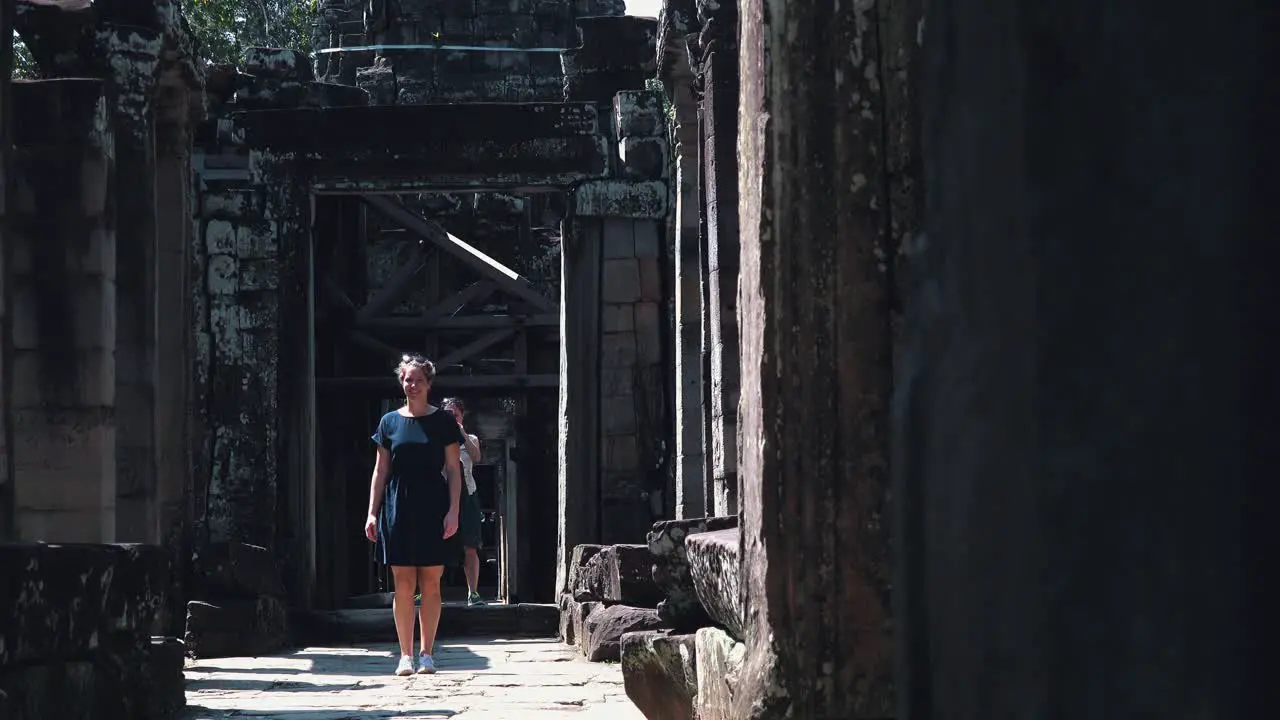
pixel 426 666
pixel 405 667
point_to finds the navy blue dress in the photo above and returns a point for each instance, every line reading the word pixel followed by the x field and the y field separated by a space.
pixel 416 497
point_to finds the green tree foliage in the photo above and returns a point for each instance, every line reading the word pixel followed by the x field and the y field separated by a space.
pixel 24 66
pixel 227 27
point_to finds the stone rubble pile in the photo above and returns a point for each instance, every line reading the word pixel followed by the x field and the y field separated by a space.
pixel 670 611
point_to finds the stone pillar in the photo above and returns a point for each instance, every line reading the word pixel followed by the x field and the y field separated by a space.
pixel 132 55
pixel 6 359
pixel 690 459
pixel 580 322
pixel 1085 445
pixel 63 294
pixel 816 373
pixel 174 333
pixel 611 392
pixel 718 67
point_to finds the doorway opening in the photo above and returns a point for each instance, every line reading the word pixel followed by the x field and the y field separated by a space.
pixel 471 280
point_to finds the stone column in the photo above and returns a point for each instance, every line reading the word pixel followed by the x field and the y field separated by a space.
pixel 62 249
pixel 610 339
pixel 579 469
pixel 816 373
pixel 6 359
pixel 690 459
pixel 131 56
pixel 718 67
pixel 1085 430
pixel 174 332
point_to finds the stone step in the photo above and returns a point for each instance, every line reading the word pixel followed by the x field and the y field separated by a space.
pixel 681 609
pixel 715 569
pixel 456 620
pixel 660 673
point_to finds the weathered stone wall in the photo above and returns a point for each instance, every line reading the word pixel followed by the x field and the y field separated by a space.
pixel 714 53
pixel 133 58
pixel 253 397
pixel 632 432
pixel 236 265
pixel 413 75
pixel 6 351
pixel 816 376
pixel 613 443
pixel 677 23
pixel 62 286
pixel 1084 416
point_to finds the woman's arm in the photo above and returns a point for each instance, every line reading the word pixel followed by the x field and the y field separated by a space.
pixel 453 471
pixel 378 484
pixel 381 466
pixel 473 448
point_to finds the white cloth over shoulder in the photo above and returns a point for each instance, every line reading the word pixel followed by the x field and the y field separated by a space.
pixel 467 476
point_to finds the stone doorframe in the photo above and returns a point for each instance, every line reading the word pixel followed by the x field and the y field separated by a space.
pixel 260 312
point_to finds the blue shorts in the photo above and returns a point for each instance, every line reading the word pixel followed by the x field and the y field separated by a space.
pixel 469 520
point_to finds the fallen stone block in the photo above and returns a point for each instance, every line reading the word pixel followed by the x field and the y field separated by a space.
pixel 567 634
pixel 238 570
pixel 720 660
pixel 681 610
pixel 604 628
pixel 582 555
pixel 589 582
pixel 581 612
pixel 620 574
pixel 714 566
pixel 236 628
pixel 660 673
pixel 630 577
pixel 63 601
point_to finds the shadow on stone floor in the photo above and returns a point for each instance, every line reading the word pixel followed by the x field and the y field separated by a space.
pixel 317 669
pixel 196 712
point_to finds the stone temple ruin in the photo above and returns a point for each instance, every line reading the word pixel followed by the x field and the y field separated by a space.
pixel 682 272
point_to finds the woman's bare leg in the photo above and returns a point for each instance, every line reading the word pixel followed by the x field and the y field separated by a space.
pixel 471 567
pixel 429 611
pixel 406 580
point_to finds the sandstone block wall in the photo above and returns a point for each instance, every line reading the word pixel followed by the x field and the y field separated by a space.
pixel 237 305
pixel 61 334
pixel 414 75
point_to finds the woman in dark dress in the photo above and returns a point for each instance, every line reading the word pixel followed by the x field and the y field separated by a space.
pixel 413 510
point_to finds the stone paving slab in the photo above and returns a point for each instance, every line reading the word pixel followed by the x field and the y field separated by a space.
pixel 483 679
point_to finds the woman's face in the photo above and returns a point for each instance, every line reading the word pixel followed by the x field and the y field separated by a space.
pixel 457 413
pixel 415 384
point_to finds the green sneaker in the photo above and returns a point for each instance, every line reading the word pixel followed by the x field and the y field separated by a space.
pixel 473 599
